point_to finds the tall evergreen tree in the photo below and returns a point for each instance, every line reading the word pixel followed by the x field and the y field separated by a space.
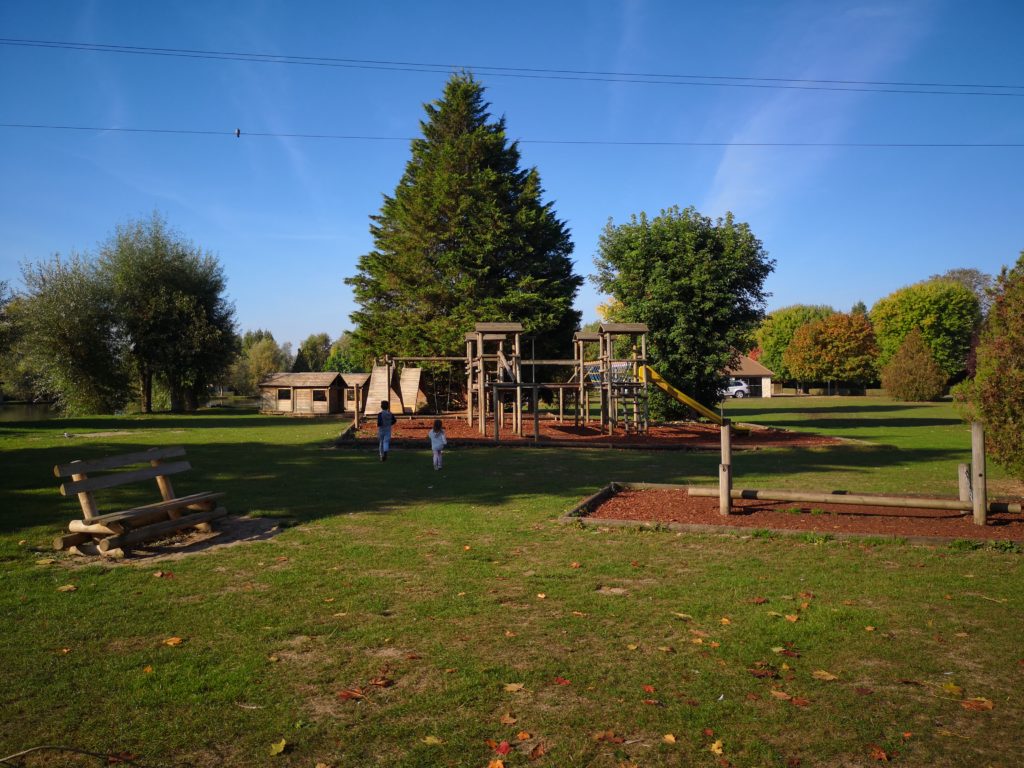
pixel 466 237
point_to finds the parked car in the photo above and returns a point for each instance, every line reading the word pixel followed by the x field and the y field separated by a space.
pixel 737 388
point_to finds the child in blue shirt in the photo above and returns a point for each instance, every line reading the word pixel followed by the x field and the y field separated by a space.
pixel 385 420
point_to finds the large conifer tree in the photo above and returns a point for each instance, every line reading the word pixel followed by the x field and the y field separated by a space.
pixel 466 237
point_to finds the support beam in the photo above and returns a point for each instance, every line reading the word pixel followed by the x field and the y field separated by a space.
pixel 725 471
pixel 979 489
pixel 854 499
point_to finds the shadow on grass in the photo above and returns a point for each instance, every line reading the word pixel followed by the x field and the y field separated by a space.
pixel 311 480
pixel 827 408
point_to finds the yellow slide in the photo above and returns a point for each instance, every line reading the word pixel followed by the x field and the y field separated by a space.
pixel 649 374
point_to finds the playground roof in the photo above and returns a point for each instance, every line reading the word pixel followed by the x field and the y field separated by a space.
pixel 624 328
pixel 498 327
pixel 749 367
pixel 312 379
pixel 586 336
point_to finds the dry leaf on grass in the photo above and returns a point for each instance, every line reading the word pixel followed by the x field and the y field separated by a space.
pixel 780 695
pixel 523 735
pixel 977 704
pixel 174 642
pixel 508 719
pixel 278 747
pixel 821 674
pixel 432 741
pixel 514 687
pixel 716 748
pixel 669 738
pixel 67 588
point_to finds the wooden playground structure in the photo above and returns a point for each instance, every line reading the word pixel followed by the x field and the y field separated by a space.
pixel 500 381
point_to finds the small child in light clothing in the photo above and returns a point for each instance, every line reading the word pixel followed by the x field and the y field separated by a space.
pixel 385 421
pixel 438 440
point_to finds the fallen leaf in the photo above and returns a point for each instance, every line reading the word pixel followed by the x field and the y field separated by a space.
pixel 699 633
pixel 977 704
pixel 797 701
pixel 329 599
pixel 666 649
pixel 821 674
pixel 906 735
pixel 792 617
pixel 513 687
pixel 878 753
pixel 578 613
pixel 764 672
pixel 350 694
pixel 649 689
pixel 716 748
pixel 496 764
pixel 509 633
pixel 278 747
pixel 523 736
pixel 465 548
pixel 46 561
pixel 508 719
pixel 953 689
pixel 382 682
pixel 67 588
pixel 869 629
pixel 632 646
pixel 503 748
pixel 683 616
pixel 273 658
pixel 752 697
pixel 653 702
pixel 775 614
pixel 281 559
pixel 780 695
pixel 607 736
pixel 725 620
pixel 709 732
pixel 432 740
pixel 538 751
pixel 65 651
pixel 574 565
pixel 759 600
pixel 174 642
pixel 541 596
pixel 807 595
pixel 148 669
pixel 669 738
pixel 562 681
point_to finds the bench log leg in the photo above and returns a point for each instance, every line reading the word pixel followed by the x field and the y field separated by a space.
pixel 157 530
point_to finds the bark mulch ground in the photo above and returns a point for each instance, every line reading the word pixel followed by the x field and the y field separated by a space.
pixel 682 436
pixel 677 506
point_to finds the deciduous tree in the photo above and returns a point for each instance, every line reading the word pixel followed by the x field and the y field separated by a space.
pixel 912 374
pixel 776 332
pixel 945 311
pixel 840 347
pixel 465 237
pixel 312 353
pixel 697 283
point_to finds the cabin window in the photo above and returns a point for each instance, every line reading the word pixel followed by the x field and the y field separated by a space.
pixel 284 394
pixel 319 395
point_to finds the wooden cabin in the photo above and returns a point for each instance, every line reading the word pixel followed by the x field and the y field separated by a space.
pixel 355 383
pixel 302 394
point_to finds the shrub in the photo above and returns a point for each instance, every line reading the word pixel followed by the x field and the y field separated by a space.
pixel 913 374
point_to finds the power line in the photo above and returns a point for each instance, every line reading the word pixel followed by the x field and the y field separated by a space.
pixel 538 73
pixel 238 133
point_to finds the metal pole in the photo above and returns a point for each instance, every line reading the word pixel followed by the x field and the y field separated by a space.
pixel 979 491
pixel 725 471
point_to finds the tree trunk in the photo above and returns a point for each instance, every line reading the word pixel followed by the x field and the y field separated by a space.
pixel 146 388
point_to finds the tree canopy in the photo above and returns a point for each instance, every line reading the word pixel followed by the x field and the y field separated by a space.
pixel 946 311
pixel 312 353
pixel 840 347
pixel 776 333
pixel 465 237
pixel 697 283
pixel 912 373
pixel 996 395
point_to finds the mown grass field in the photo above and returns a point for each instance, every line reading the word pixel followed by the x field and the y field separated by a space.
pixel 451 589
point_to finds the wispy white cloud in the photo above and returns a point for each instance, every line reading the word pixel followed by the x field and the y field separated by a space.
pixel 863 42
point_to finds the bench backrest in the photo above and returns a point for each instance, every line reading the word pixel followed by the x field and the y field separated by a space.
pixel 83 485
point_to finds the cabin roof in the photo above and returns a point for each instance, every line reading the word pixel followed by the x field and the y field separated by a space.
pixel 586 336
pixel 498 327
pixel 309 379
pixel 355 379
pixel 747 366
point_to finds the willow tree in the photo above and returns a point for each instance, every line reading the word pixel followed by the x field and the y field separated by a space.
pixel 465 237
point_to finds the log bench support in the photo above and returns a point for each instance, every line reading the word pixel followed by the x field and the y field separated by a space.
pixel 113 534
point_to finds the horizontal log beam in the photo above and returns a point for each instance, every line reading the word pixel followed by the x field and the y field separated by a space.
pixel 858 499
pixel 155 531
pixel 123 478
pixel 113 462
pixel 69 540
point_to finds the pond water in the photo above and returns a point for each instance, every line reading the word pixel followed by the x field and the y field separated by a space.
pixel 27 411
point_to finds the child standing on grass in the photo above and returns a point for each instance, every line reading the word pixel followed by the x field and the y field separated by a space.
pixel 438 440
pixel 385 420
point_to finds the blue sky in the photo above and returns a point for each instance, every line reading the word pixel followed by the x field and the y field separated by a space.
pixel 288 217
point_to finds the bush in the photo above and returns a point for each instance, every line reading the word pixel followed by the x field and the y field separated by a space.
pixel 996 395
pixel 913 374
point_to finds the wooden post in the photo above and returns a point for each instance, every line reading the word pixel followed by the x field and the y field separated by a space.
pixel 355 418
pixel 561 405
pixel 963 475
pixel 725 471
pixel 979 491
pixel 518 368
pixel 536 414
pixel 85 499
pixel 469 383
pixel 498 415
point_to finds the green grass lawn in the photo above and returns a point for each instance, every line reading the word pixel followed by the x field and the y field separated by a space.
pixel 446 587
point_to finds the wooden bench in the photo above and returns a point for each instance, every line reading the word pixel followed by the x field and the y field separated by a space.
pixel 113 534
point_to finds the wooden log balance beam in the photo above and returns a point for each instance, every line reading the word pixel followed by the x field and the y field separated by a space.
pixel 855 499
